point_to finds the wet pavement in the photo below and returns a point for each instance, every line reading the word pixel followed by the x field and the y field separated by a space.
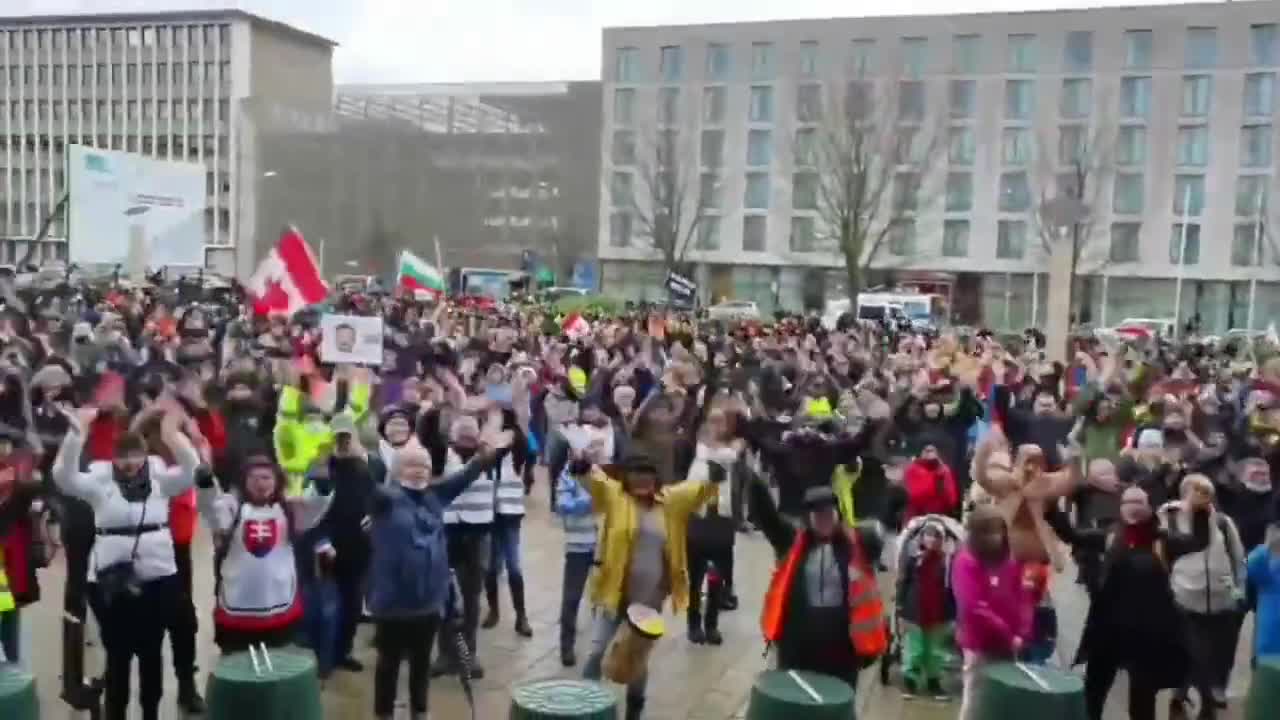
pixel 687 682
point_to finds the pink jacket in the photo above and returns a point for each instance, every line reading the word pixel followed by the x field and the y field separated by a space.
pixel 992 605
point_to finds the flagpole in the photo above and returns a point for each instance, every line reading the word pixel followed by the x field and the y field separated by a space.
pixel 1253 281
pixel 1106 287
pixel 1182 261
pixel 1035 299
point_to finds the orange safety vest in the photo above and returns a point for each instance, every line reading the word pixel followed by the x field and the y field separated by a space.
pixel 867 628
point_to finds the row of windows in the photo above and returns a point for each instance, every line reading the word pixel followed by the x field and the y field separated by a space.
pixel 861 56
pixel 1012 239
pixel 146 36
pixel 116 74
pixel 35 112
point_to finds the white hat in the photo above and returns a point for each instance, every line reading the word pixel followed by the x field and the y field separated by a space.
pixel 1150 439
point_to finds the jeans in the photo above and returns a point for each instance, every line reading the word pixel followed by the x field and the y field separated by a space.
pixel 10 635
pixel 577 568
pixel 321 609
pixel 971 674
pixel 1044 635
pixel 923 652
pixel 504 549
pixel 398 640
pixel 134 625
pixel 606 626
pixel 469 559
pixel 349 570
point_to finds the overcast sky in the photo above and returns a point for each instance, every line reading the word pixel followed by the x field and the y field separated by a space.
pixel 495 40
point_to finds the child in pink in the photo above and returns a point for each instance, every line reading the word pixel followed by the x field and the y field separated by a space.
pixel 993 600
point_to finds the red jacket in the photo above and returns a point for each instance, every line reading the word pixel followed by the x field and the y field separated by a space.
pixel 930 490
pixel 104 431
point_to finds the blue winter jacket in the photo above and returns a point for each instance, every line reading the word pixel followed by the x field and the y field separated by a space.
pixel 409 566
pixel 1264 584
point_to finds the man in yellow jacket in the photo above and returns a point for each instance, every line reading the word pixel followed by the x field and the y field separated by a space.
pixel 302 432
pixel 641 553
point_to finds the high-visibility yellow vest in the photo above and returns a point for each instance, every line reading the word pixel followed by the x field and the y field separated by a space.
pixel 6 595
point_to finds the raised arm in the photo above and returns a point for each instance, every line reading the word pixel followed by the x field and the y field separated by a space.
pixel 89 486
pixel 764 513
pixel 177 479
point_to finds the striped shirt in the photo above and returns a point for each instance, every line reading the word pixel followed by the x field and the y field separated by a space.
pixel 573 503
pixel 509 490
pixel 475 505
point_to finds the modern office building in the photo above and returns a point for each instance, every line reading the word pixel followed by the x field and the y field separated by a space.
pixel 165 85
pixel 1168 113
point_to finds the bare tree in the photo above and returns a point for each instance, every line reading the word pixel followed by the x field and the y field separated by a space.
pixel 1069 184
pixel 662 193
pixel 864 161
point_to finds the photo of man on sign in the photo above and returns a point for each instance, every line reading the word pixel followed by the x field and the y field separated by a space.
pixel 351 339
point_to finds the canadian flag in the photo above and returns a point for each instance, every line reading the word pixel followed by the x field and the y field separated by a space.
pixel 288 278
pixel 575 326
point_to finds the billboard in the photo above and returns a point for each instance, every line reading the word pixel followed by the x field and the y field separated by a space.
pixel 134 211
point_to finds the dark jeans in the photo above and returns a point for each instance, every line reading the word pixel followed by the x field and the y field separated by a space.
pixel 577 568
pixel 9 641
pixel 1099 675
pixel 349 570
pixel 1211 638
pixel 700 563
pixel 505 552
pixel 134 626
pixel 398 640
pixel 469 560
pixel 184 625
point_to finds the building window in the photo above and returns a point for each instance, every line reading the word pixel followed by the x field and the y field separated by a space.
pixel 911 100
pixel 132 37
pixel 1245 249
pixel 762 61
pixel 961 147
pixel 1193 145
pixel 964 98
pixel 1015 146
pixel 717 62
pixel 754 229
pixel 667 147
pixel 1128 193
pixel 1019 99
pixel 806 153
pixel 621 190
pixel 1131 145
pixel 909 145
pixel 808 103
pixel 624 106
pixel 1015 192
pixel 714 100
pixel 906 192
pixel 1137 49
pixel 761 108
pixel 708 233
pixel 668 105
pixel 959 192
pixel 1077 97
pixel 1202 47
pixel 804 191
pixel 1197 93
pixel 624 147
pixel 756 196
pixel 1262 44
pixel 966 54
pixel 1078 51
pixel 620 229
pixel 1022 54
pixel 148 36
pixel 809 59
pixel 626 65
pixel 955 238
pixel 862 57
pixel 1011 239
pixel 671 63
pixel 712 148
pixel 709 191
pixel 1255 146
pixel 1135 97
pixel 1251 193
pixel 759 148
pixel 915 56
pixel 1259 94
pixel 1072 145
pixel 1188 195
pixel 803 238
pixel 1184 246
pixel 857 100
pixel 1124 242
pixel 902 238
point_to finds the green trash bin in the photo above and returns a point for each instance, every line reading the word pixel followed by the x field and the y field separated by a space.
pixel 290 690
pixel 18 699
pixel 1016 690
pixel 800 695
pixel 563 700
pixel 1264 691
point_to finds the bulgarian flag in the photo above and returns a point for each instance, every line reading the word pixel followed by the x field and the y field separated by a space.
pixel 415 274
pixel 288 278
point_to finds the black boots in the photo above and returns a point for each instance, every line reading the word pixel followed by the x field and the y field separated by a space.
pixel 491 596
pixel 715 601
pixel 517 600
pixel 696 635
pixel 81 696
pixel 635 707
pixel 189 699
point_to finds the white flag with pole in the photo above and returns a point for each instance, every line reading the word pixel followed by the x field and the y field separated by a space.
pixel 1182 261
pixel 1253 281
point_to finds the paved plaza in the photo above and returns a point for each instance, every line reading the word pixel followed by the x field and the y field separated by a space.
pixel 687 682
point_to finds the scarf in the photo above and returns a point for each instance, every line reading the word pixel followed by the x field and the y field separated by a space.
pixel 135 488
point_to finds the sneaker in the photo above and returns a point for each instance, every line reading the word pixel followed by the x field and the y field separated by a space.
pixel 568 658
pixel 909 688
pixel 714 637
pixel 936 692
pixel 351 664
pixel 696 636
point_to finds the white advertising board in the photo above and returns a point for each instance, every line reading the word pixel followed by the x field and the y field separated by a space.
pixel 134 211
pixel 351 339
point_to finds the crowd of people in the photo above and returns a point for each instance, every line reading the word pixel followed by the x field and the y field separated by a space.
pixel 396 494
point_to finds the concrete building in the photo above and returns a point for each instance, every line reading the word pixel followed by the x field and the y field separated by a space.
pixel 166 85
pixel 1166 106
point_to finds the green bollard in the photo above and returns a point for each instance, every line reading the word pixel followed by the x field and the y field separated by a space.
pixel 1017 690
pixel 1264 691
pixel 792 694
pixel 563 700
pixel 287 690
pixel 18 699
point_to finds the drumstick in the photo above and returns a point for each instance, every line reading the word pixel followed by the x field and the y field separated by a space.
pixel 266 656
pixel 807 687
pixel 253 655
pixel 1035 676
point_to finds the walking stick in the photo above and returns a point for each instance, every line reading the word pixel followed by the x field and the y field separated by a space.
pixel 456 635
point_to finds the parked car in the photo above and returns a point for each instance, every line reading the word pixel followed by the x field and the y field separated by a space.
pixel 734 310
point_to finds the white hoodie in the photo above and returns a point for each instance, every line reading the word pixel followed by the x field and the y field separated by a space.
pixel 725 457
pixel 1212 580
